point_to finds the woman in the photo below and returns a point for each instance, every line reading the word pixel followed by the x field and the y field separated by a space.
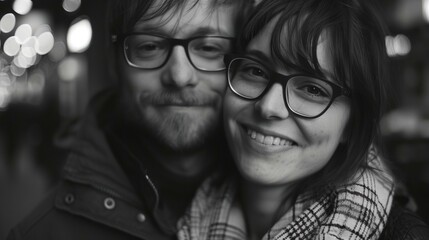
pixel 301 118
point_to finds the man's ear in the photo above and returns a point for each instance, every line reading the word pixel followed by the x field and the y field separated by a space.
pixel 113 61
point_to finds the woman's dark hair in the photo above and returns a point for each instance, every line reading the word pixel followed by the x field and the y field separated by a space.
pixel 356 38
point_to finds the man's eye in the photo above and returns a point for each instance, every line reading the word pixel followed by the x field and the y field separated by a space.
pixel 209 48
pixel 147 47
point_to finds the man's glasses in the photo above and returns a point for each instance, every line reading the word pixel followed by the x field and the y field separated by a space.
pixel 149 51
pixel 305 96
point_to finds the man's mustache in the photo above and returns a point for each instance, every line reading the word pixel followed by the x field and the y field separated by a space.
pixel 179 98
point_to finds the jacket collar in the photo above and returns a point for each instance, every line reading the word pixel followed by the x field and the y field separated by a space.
pixel 92 165
pixel 91 161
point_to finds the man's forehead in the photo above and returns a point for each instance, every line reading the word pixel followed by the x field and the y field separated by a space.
pixel 193 18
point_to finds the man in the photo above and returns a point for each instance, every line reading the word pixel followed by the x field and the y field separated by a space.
pixel 145 146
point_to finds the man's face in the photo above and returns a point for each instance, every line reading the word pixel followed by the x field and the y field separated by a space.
pixel 177 104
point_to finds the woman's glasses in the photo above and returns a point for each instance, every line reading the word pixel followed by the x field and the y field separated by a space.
pixel 305 96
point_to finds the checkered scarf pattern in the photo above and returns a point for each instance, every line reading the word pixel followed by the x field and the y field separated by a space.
pixel 358 211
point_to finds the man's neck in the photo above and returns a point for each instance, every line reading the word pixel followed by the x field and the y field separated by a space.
pixel 175 175
pixel 186 165
pixel 263 205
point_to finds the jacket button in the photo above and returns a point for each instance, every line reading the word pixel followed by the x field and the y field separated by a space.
pixel 69 198
pixel 109 203
pixel 141 217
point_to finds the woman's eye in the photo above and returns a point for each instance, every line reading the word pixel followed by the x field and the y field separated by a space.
pixel 315 91
pixel 255 71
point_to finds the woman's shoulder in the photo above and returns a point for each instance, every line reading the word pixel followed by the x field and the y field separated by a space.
pixel 362 206
pixel 213 200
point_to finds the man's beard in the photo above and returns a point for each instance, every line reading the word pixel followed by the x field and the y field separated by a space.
pixel 176 131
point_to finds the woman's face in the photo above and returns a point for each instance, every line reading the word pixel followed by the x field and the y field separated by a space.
pixel 271 146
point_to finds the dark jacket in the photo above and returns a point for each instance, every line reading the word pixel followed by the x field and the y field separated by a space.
pixel 404 224
pixel 95 200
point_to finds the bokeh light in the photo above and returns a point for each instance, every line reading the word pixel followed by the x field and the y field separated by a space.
pixel 5 80
pixel 23 61
pixel 22 6
pixel 7 22
pixel 28 47
pixel 399 45
pixel 71 5
pixel 79 36
pixel 58 52
pixel 16 71
pixel 69 69
pixel 23 32
pixel 44 43
pixel 36 81
pixel 4 97
pixel 426 10
pixel 42 28
pixel 11 46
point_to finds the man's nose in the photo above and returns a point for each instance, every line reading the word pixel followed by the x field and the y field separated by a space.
pixel 272 106
pixel 179 71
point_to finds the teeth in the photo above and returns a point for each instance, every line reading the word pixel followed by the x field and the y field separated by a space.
pixel 260 138
pixel 268 140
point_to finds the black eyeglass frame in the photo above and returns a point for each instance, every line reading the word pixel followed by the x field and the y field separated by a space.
pixel 173 42
pixel 276 77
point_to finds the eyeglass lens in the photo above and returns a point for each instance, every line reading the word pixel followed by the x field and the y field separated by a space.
pixel 306 96
pixel 149 51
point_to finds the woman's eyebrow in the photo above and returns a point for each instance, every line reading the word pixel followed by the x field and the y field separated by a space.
pixel 259 55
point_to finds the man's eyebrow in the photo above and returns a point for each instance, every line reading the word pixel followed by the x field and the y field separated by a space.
pixel 150 28
pixel 197 31
pixel 205 31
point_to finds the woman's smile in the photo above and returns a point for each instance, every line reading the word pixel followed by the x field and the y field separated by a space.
pixel 268 139
pixel 265 141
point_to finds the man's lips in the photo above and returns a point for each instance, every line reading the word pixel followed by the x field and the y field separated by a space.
pixel 179 100
pixel 175 104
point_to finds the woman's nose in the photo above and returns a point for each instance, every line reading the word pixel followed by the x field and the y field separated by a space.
pixel 272 105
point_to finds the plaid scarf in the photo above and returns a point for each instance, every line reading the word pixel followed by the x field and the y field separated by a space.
pixel 357 210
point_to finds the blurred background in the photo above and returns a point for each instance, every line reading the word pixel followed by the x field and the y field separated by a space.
pixel 52 61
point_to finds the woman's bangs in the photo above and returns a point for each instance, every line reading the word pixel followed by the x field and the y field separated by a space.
pixel 294 44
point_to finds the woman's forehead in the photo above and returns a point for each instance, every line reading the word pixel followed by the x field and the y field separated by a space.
pixel 263 43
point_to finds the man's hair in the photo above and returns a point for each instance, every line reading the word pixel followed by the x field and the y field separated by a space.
pixel 124 14
pixel 355 35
